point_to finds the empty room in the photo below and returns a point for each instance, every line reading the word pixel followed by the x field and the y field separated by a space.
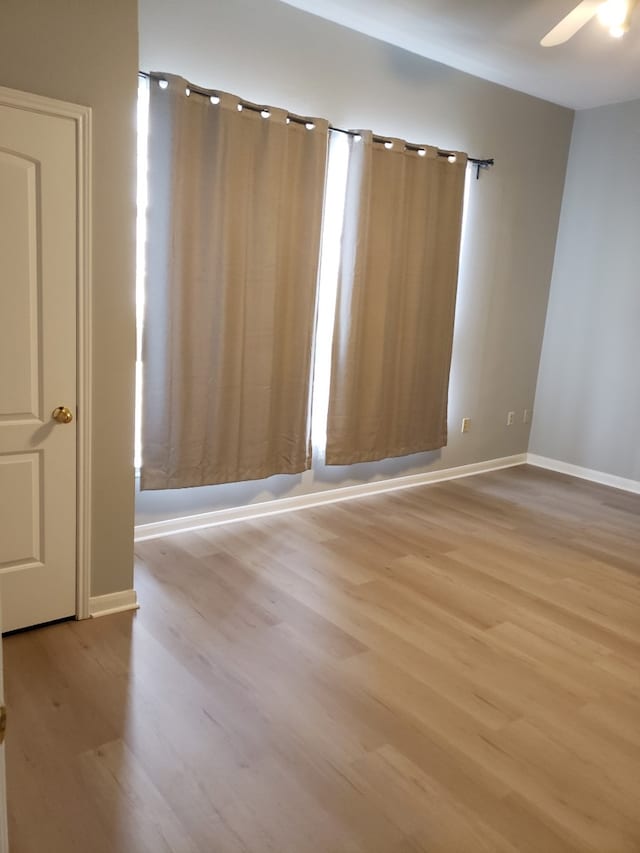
pixel 320 528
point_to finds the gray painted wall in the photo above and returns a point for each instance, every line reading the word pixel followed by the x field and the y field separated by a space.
pixel 587 407
pixel 87 53
pixel 269 52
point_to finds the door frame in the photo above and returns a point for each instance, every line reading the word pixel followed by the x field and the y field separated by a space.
pixel 82 117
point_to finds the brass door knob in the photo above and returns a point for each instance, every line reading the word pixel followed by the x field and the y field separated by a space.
pixel 62 415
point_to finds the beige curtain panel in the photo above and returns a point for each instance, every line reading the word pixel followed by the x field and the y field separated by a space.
pixel 396 302
pixel 234 222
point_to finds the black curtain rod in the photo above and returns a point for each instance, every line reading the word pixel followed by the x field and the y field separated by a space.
pixel 483 163
pixel 478 162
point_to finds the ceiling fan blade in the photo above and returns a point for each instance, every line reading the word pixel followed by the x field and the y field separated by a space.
pixel 571 23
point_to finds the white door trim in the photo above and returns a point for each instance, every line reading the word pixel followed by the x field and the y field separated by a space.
pixel 81 115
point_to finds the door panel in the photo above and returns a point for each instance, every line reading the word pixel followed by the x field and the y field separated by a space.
pixel 19 304
pixel 38 251
pixel 20 510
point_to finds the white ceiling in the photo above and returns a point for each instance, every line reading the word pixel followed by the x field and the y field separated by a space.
pixel 499 40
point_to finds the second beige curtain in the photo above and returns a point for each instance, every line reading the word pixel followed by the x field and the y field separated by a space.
pixel 396 301
pixel 235 209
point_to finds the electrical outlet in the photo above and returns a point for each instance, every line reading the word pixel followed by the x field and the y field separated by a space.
pixel 510 418
pixel 526 416
pixel 466 425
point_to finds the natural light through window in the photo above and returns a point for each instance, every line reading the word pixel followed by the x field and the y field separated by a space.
pixel 141 240
pixel 329 266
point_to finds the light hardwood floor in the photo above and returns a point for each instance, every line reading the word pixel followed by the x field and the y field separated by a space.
pixel 448 669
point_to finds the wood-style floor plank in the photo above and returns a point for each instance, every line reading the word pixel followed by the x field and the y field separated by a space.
pixel 446 669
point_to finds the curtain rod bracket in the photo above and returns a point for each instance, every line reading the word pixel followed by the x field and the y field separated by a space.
pixel 481 164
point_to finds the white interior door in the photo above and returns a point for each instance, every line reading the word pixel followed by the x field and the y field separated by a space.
pixel 38 274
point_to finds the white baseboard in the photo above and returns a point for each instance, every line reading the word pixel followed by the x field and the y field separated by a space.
pixel 584 473
pixel 114 602
pixel 156 529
